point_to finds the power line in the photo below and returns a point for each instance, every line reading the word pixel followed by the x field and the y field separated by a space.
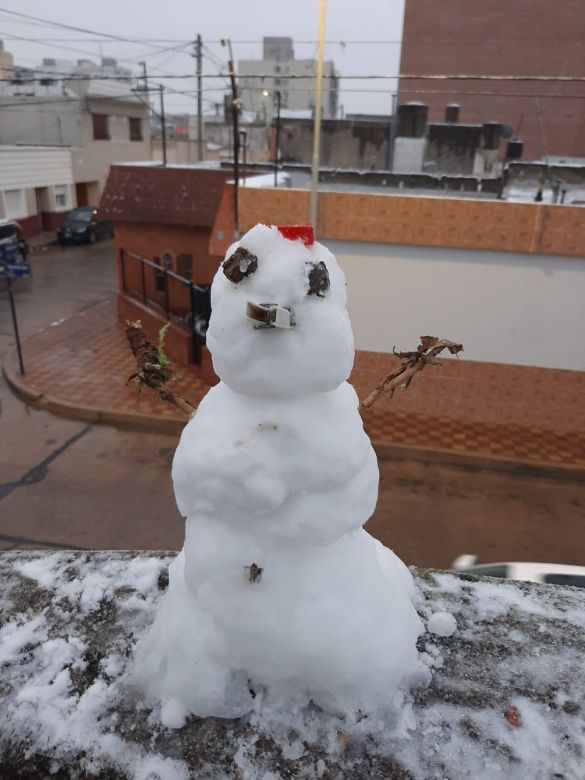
pixel 355 77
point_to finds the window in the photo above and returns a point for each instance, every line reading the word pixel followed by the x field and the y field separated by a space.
pixel 62 196
pixel 101 130
pixel 14 204
pixel 185 266
pixel 160 281
pixel 135 128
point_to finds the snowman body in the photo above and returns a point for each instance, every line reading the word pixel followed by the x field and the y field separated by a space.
pixel 279 593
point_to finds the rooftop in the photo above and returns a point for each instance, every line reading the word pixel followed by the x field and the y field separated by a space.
pixel 150 193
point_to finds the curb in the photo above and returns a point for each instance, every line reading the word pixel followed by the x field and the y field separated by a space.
pixel 471 461
pixel 92 414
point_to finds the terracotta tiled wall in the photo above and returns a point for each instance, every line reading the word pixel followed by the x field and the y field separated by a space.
pixel 474 392
pixel 482 392
pixel 430 221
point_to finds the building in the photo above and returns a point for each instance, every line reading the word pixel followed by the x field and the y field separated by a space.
pixel 279 71
pixel 448 147
pixel 525 38
pixel 345 143
pixel 163 220
pixel 36 186
pixel 218 135
pixel 93 109
pixel 6 64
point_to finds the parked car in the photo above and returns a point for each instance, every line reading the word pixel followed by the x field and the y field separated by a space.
pixel 13 250
pixel 83 225
pixel 551 573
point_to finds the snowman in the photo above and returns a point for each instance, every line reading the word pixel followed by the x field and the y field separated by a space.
pixel 279 595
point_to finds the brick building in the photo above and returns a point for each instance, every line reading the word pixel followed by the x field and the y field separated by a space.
pixel 502 37
pixel 163 220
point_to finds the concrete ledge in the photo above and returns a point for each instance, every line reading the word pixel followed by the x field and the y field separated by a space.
pixel 507 686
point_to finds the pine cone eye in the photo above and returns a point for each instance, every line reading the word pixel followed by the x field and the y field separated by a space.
pixel 318 279
pixel 240 265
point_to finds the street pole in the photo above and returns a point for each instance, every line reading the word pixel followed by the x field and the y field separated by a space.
pixel 163 123
pixel 235 110
pixel 14 320
pixel 276 146
pixel 317 122
pixel 244 145
pixel 199 56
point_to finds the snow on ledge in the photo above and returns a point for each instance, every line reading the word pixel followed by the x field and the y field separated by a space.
pixel 507 692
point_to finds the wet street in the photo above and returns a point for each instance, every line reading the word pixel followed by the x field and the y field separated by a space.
pixel 68 484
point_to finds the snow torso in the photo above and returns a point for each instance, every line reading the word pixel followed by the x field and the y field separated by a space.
pixel 298 468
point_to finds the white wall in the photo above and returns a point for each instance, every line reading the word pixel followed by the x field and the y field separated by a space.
pixel 24 168
pixel 34 166
pixel 504 307
pixel 409 155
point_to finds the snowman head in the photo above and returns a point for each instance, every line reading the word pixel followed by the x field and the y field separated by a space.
pixel 279 325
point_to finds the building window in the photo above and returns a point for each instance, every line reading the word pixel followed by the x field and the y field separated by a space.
pixel 185 266
pixel 101 130
pixel 14 204
pixel 62 196
pixel 160 280
pixel 136 128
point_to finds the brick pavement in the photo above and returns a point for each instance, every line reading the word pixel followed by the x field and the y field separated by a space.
pixel 79 368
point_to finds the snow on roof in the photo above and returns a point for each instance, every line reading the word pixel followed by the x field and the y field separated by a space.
pixel 266 180
pixel 296 113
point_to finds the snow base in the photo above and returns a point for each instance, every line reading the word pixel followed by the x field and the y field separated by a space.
pixel 505 701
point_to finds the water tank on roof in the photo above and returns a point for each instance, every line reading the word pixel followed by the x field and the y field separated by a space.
pixel 412 120
pixel 514 149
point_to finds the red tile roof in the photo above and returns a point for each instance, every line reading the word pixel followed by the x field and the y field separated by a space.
pixel 165 196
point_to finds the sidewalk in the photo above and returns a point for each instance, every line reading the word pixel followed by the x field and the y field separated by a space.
pixel 42 240
pixel 79 367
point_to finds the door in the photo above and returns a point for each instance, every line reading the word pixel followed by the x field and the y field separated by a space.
pixel 82 193
pixel 43 208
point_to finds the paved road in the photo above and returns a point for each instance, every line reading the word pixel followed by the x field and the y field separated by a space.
pixel 63 483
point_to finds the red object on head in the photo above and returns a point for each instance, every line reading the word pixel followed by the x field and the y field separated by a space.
pixel 293 232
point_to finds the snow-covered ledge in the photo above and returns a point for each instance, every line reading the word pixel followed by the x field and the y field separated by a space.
pixel 507 697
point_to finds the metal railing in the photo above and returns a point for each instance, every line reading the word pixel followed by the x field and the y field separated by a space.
pixel 183 302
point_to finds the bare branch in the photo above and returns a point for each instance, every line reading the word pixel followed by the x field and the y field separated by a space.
pixel 412 363
pixel 154 369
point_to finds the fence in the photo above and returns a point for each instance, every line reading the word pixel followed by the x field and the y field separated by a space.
pixel 184 304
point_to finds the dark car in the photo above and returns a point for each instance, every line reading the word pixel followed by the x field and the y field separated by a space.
pixel 82 224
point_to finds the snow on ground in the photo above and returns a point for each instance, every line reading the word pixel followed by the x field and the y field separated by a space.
pixel 506 700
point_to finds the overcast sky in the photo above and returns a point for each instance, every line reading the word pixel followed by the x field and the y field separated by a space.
pixel 369 29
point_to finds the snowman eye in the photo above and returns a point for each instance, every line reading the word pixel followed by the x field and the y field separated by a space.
pixel 318 279
pixel 240 265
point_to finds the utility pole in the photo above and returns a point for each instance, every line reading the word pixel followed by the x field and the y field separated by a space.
pixel 317 122
pixel 199 56
pixel 235 111
pixel 144 76
pixel 163 123
pixel 277 140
